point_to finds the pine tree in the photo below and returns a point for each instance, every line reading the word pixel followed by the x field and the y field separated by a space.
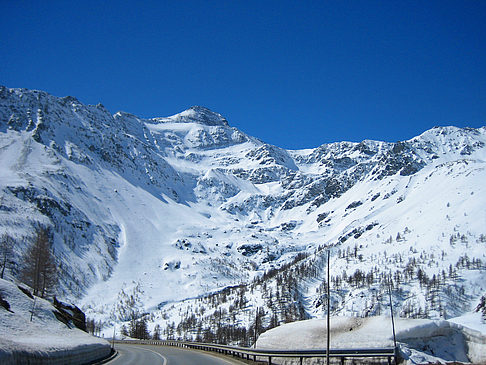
pixel 138 329
pixel 156 335
pixel 124 331
pixel 90 325
pixel 39 269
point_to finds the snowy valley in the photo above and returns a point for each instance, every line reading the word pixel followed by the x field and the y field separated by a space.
pixel 213 234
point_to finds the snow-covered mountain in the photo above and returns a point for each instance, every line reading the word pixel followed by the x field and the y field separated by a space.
pixel 179 207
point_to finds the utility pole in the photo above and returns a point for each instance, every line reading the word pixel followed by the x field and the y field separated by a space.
pixel 392 319
pixel 328 306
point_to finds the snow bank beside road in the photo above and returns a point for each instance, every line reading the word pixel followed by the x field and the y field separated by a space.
pixel 420 340
pixel 45 340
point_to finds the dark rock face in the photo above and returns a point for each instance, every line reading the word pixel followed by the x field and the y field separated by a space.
pixel 250 249
pixel 73 230
pixel 4 304
pixel 400 158
pixel 481 307
pixel 70 314
pixel 26 291
pixel 354 205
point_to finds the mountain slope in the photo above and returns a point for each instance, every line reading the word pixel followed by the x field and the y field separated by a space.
pixel 178 207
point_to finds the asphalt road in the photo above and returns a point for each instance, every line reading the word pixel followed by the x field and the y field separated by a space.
pixel 163 355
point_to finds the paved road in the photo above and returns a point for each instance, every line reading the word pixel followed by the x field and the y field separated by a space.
pixel 163 355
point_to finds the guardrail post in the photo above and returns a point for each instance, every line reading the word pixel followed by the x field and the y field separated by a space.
pixel 301 360
pixel 269 360
pixel 342 360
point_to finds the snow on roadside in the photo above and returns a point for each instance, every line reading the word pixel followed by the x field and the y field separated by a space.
pixel 471 320
pixel 420 340
pixel 23 341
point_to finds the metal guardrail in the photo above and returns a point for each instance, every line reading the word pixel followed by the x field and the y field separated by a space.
pixel 257 354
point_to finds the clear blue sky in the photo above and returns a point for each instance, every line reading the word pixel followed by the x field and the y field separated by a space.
pixel 292 73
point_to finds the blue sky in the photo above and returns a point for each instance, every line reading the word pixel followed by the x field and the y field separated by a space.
pixel 295 74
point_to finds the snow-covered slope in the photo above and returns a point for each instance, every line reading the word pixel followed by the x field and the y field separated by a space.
pixel 178 207
pixel 25 337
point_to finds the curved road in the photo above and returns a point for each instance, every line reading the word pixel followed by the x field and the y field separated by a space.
pixel 164 355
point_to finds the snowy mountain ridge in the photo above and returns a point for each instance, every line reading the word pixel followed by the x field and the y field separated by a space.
pixel 182 206
pixel 196 114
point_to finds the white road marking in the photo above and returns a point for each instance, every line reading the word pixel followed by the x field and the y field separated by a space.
pixel 162 356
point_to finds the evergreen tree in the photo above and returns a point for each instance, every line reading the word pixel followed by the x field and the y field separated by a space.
pixel 90 326
pixel 129 305
pixel 138 329
pixel 156 335
pixel 124 331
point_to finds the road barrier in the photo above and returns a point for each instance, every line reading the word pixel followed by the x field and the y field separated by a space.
pixel 388 353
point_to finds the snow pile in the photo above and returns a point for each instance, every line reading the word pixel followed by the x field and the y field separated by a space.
pixel 23 341
pixel 419 340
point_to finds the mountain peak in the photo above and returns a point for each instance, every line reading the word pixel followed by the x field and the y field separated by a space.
pixel 201 115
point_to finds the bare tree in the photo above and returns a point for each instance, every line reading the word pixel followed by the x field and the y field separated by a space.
pixel 6 252
pixel 39 269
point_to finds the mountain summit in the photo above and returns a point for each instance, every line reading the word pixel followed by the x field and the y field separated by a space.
pixel 198 114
